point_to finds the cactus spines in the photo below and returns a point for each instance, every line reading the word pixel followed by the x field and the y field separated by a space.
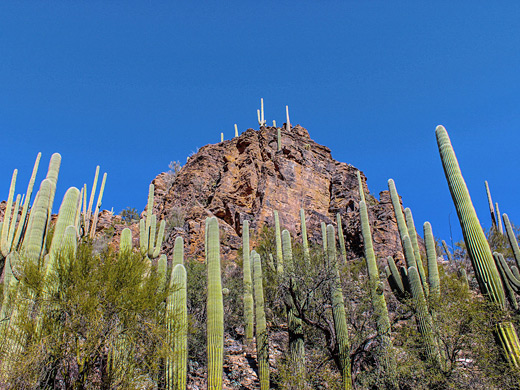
pixel 423 317
pixel 178 251
pixel 278 238
pixel 305 242
pixel 262 344
pixel 338 312
pixel 248 285
pixel 389 365
pixel 431 255
pixel 512 239
pixel 478 248
pixel 177 321
pixel 215 309
pixel 494 216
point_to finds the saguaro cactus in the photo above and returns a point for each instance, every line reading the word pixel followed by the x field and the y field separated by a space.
pixel 388 363
pixel 177 320
pixel 278 238
pixel 248 284
pixel 215 309
pixel 478 248
pixel 262 343
pixel 305 242
pixel 294 323
pixel 338 312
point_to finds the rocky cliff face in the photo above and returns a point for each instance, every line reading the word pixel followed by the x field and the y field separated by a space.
pixel 247 178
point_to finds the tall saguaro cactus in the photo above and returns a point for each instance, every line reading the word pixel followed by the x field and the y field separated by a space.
pixel 248 284
pixel 262 343
pixel 478 248
pixel 294 323
pixel 388 363
pixel 215 308
pixel 338 312
pixel 305 241
pixel 177 322
pixel 278 238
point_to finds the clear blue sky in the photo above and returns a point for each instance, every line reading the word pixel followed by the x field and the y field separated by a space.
pixel 132 86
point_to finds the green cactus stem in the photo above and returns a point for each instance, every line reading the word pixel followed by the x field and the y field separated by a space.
pixel 338 312
pixel 5 245
pixel 294 323
pixel 177 322
pixel 412 233
pixel 248 285
pixel 162 268
pixel 341 239
pixel 431 255
pixel 262 343
pixel 512 239
pixel 388 362
pixel 324 236
pixel 499 221
pixel 447 251
pixel 22 224
pixel 125 243
pixel 478 248
pixel 215 309
pixel 98 206
pixel 178 251
pixel 395 279
pixel 260 114
pixel 91 201
pixel 401 223
pixel 150 241
pixel 305 241
pixel 360 187
pixel 423 317
pixel 494 216
pixel 508 280
pixel 278 238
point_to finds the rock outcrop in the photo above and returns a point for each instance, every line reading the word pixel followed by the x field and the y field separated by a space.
pixel 247 178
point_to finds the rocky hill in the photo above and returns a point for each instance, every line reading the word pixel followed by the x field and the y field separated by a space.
pixel 247 178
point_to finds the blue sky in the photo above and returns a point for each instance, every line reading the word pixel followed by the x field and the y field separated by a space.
pixel 134 85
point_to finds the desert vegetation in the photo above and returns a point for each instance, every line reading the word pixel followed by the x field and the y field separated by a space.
pixel 75 315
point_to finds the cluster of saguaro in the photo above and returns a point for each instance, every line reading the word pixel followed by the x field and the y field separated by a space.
pixel 388 362
pixel 412 279
pixel 478 248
